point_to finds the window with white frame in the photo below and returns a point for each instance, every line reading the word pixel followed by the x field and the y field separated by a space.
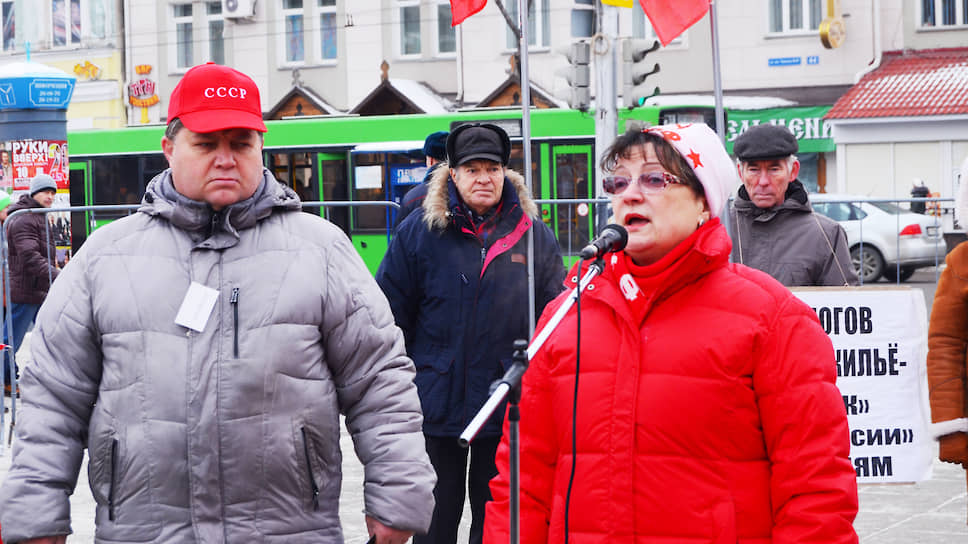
pixel 446 34
pixel 409 28
pixel 328 47
pixel 642 29
pixel 539 24
pixel 795 15
pixel 941 13
pixel 294 31
pixel 7 18
pixel 65 23
pixel 182 19
pixel 583 19
pixel 216 26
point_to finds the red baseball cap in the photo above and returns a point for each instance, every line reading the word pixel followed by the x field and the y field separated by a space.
pixel 213 97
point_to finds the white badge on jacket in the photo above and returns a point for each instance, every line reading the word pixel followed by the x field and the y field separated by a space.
pixel 196 307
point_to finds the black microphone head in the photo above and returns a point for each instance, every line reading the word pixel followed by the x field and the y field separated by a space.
pixel 623 236
pixel 612 238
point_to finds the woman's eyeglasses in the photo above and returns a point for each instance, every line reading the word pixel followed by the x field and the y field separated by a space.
pixel 653 182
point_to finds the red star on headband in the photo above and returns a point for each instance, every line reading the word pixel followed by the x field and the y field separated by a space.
pixel 696 162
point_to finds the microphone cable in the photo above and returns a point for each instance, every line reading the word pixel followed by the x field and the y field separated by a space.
pixel 574 402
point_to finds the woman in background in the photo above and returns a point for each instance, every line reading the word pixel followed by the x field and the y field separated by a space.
pixel 947 341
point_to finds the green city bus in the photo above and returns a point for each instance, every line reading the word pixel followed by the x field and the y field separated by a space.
pixel 345 162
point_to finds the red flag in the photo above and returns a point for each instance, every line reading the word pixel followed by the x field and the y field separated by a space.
pixel 670 18
pixel 462 9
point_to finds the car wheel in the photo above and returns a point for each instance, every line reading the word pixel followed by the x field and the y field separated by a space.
pixel 872 266
pixel 890 273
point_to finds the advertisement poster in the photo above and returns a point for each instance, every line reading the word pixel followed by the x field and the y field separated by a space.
pixel 20 161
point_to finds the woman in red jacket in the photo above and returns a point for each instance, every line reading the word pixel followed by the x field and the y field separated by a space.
pixel 706 409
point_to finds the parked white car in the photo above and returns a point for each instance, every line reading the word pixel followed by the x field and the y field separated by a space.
pixel 884 239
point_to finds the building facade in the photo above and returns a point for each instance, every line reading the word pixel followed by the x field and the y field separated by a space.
pixel 79 37
pixel 334 54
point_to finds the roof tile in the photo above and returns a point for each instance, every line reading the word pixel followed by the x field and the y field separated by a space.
pixel 909 83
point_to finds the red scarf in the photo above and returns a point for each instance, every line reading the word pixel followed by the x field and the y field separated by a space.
pixel 642 284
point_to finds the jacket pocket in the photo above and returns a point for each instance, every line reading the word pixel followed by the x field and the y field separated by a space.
pixel 313 486
pixel 433 381
pixel 112 479
pixel 119 480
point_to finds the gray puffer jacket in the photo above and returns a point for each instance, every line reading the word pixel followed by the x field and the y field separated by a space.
pixel 231 434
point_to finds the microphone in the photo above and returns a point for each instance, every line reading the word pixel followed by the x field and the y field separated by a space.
pixel 613 238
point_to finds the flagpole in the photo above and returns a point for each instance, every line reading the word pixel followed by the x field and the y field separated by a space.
pixel 526 143
pixel 717 75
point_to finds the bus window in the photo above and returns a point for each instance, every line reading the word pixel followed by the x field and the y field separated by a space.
pixel 116 180
pixel 572 180
pixel 151 166
pixel 368 186
pixel 295 170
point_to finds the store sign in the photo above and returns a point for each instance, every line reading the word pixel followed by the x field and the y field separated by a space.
pixel 87 70
pixel 785 61
pixel 806 123
pixel 141 93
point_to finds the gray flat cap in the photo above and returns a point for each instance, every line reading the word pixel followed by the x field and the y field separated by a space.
pixel 763 142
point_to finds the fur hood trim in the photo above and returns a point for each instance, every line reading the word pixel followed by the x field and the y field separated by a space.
pixel 436 207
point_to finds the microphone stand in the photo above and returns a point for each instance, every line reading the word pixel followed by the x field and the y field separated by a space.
pixel 509 387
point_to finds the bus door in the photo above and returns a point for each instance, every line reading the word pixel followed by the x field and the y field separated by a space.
pixel 80 191
pixel 572 178
pixel 381 172
pixel 334 186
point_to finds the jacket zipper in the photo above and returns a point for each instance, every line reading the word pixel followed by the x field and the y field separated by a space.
pixel 235 322
pixel 214 225
pixel 309 469
pixel 111 482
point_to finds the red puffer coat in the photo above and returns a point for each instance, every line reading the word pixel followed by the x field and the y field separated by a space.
pixel 715 419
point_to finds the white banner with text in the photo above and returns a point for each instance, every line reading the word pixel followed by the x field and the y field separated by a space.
pixel 880 338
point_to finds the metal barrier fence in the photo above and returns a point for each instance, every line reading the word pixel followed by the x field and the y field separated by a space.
pixel 941 244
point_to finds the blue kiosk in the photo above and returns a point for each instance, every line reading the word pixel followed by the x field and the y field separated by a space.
pixel 33 139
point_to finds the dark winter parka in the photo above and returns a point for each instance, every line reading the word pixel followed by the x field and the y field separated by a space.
pixel 462 301
pixel 32 253
pixel 790 242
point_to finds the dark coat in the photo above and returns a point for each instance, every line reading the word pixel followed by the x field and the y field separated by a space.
pixel 790 242
pixel 33 253
pixel 461 301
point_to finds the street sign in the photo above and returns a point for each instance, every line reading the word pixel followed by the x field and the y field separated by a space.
pixel 785 61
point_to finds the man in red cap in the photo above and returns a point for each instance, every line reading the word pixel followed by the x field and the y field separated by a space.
pixel 202 351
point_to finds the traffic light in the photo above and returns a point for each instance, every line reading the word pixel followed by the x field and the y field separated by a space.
pixel 635 71
pixel 578 74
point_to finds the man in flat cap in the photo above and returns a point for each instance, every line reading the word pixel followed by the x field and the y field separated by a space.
pixel 772 224
pixel 435 154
